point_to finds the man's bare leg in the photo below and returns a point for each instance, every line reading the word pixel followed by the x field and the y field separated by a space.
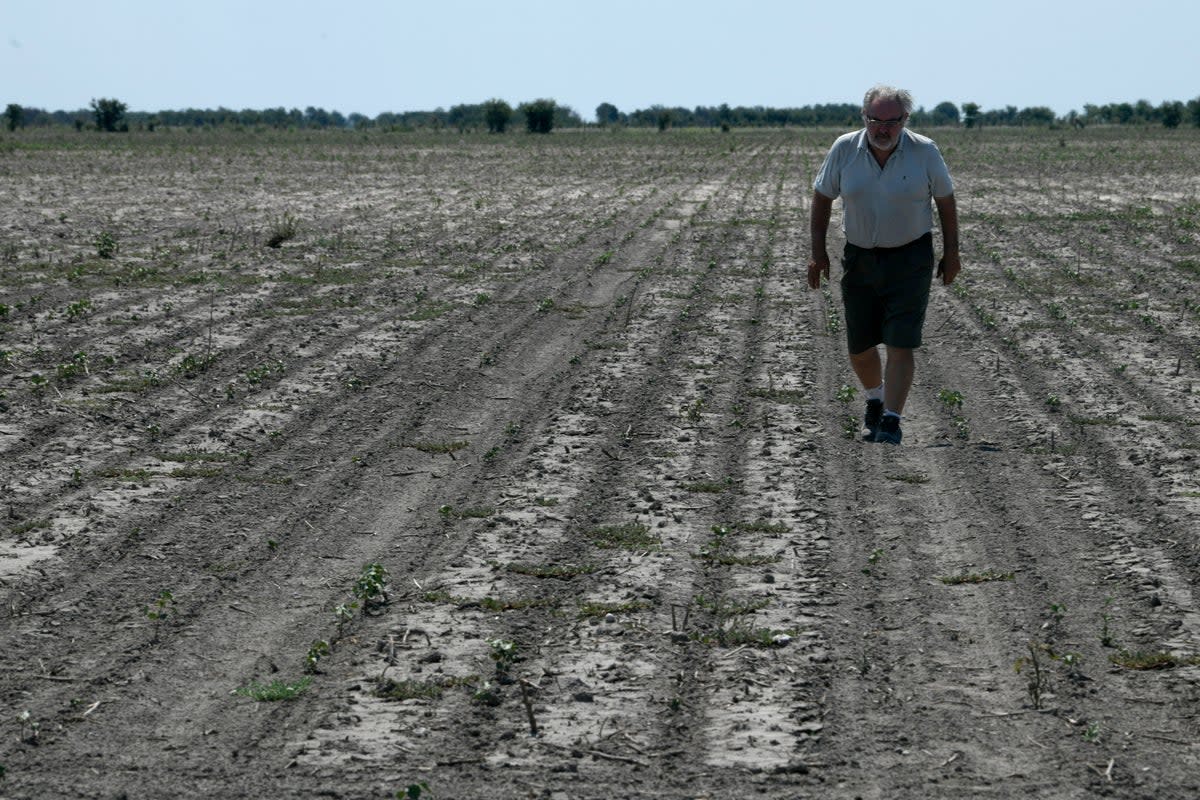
pixel 900 368
pixel 868 367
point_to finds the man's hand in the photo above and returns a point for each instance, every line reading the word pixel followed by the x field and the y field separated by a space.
pixel 948 268
pixel 817 266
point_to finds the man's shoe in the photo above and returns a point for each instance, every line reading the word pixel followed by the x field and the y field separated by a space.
pixel 889 430
pixel 871 420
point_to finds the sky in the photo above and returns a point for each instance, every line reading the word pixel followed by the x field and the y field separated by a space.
pixel 370 56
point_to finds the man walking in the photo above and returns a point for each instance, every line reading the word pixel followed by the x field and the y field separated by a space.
pixel 886 175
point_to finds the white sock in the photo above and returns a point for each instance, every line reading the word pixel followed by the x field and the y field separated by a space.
pixel 876 393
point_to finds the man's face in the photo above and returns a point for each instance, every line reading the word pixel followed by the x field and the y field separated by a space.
pixel 884 119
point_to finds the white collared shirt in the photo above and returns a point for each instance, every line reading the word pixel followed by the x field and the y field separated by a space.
pixel 884 206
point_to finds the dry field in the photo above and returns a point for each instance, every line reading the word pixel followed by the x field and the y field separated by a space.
pixel 526 468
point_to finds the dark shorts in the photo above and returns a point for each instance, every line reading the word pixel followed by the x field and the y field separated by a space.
pixel 885 291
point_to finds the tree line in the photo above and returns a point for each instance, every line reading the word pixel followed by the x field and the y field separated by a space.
pixel 543 115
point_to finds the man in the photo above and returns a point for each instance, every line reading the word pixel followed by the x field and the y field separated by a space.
pixel 886 176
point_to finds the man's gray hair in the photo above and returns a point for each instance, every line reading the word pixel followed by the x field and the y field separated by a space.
pixel 884 92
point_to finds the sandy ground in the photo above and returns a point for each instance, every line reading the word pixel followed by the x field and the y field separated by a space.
pixel 572 394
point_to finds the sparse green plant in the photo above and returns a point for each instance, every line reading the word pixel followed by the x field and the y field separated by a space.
pixel 317 650
pixel 504 653
pixel 846 393
pixel 345 612
pixel 1037 682
pixel 30 727
pixel 546 304
pixel 693 411
pixel 629 536
pixel 951 399
pixel 1091 733
pixel 275 690
pixel 416 791
pixel 471 512
pixel 106 244
pixel 1152 660
pixel 873 560
pixel 79 308
pixel 1106 637
pixel 371 587
pixel 282 229
pixel 1053 402
pixel 160 610
pixel 588 610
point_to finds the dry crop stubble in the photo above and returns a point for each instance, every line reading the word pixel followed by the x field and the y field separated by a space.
pixel 346 385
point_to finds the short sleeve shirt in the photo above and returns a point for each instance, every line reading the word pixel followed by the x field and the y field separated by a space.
pixel 884 206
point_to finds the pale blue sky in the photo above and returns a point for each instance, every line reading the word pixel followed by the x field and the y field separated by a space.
pixel 371 55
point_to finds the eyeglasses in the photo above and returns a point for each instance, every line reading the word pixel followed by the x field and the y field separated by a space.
pixel 884 123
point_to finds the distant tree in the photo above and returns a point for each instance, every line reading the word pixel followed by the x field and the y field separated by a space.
pixel 1035 115
pixel 565 117
pixel 662 117
pixel 497 114
pixel 945 113
pixel 13 116
pixel 1194 111
pixel 970 114
pixel 539 115
pixel 607 114
pixel 1171 113
pixel 109 114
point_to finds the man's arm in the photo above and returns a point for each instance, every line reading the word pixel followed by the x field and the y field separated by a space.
pixel 818 225
pixel 948 215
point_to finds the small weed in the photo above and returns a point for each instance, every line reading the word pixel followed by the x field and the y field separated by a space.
pixel 630 536
pixel 1152 660
pixel 106 244
pixel 759 526
pixel 1038 679
pixel 415 791
pixel 30 728
pixel 693 411
pixel 26 527
pixel 951 399
pixel 846 394
pixel 371 587
pixel 589 610
pixel 546 305
pixel 78 309
pixel 986 576
pixel 504 653
pixel 873 560
pixel 1091 733
pixel 474 512
pixel 318 650
pixel 275 690
pixel 158 611
pixel 1106 638
pixel 1053 402
pixel 282 229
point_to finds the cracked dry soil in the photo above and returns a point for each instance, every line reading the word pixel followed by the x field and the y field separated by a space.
pixel 572 394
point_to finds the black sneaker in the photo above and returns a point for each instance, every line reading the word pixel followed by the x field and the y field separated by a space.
pixel 871 419
pixel 889 430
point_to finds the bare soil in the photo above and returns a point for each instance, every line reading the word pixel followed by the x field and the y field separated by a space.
pixel 572 394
